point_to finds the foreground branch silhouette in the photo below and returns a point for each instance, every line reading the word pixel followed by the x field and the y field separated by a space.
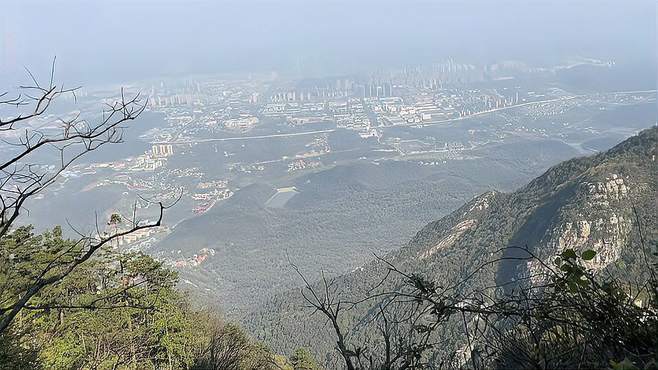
pixel 564 316
pixel 23 176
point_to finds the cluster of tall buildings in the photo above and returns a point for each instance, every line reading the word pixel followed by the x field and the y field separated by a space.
pixel 170 101
pixel 375 90
pixel 162 150
pixel 436 76
pixel 340 88
pixel 174 94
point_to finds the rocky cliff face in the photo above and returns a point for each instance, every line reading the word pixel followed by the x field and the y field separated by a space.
pixel 606 202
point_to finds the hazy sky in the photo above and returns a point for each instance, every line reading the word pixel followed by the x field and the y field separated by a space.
pixel 120 40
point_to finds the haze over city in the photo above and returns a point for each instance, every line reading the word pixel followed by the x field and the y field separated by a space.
pixel 120 40
pixel 328 184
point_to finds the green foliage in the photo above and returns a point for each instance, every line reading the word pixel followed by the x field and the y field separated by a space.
pixel 575 274
pixel 626 364
pixel 25 256
pixel 115 219
pixel 16 353
pixel 302 359
pixel 230 348
pixel 115 311
pixel 588 255
pixel 585 321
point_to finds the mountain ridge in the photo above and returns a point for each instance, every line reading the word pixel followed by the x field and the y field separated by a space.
pixel 594 202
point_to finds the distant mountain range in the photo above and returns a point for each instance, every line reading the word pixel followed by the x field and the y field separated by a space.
pixel 600 202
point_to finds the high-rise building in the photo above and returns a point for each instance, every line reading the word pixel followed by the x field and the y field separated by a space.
pixel 162 150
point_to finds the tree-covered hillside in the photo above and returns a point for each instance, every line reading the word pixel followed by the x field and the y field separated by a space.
pixel 338 218
pixel 496 245
pixel 116 311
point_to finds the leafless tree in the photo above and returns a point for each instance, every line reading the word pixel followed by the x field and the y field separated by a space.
pixel 22 177
pixel 561 317
pixel 230 348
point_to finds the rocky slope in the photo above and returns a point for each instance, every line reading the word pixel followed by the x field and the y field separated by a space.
pixel 599 202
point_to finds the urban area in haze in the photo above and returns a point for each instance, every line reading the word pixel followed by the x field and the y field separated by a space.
pixel 328 184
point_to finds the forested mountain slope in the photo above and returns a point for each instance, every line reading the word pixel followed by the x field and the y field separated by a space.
pixel 602 202
pixel 338 218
